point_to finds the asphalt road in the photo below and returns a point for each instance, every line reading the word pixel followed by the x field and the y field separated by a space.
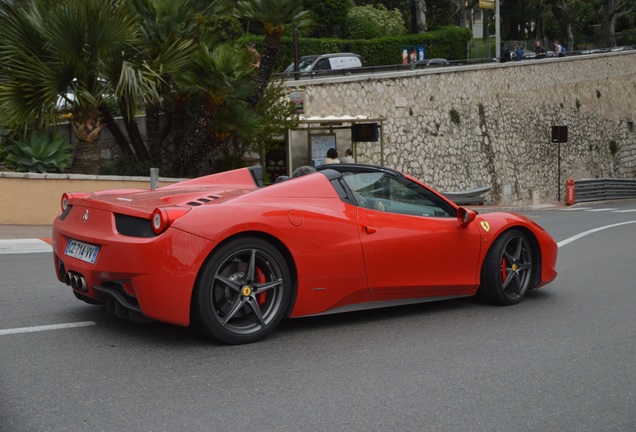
pixel 562 360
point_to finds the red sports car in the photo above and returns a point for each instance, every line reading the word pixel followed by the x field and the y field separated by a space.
pixel 235 258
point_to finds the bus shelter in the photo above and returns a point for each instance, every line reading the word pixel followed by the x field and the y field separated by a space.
pixel 307 144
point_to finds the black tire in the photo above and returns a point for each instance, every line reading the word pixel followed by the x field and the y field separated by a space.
pixel 507 269
pixel 243 292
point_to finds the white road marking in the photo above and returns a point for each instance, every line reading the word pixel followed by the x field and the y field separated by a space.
pixel 584 233
pixel 46 327
pixel 602 209
pixel 22 246
pixel 625 211
pixel 574 208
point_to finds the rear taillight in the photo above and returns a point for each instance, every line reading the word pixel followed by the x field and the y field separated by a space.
pixel 162 217
pixel 68 197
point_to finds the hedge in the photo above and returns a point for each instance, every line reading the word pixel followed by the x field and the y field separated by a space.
pixel 447 42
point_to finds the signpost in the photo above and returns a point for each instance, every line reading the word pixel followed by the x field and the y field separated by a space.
pixel 559 135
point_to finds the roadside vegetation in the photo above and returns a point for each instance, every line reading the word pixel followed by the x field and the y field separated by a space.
pixel 182 64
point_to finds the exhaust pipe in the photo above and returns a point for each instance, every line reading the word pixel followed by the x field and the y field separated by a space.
pixel 76 281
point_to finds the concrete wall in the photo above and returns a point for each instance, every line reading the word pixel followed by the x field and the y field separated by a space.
pixel 34 199
pixel 505 112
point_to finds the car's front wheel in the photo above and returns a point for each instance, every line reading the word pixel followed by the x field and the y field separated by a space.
pixel 507 269
pixel 243 291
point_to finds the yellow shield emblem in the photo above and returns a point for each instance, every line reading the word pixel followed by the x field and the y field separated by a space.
pixel 485 225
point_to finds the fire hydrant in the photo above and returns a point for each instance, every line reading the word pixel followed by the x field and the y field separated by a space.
pixel 569 191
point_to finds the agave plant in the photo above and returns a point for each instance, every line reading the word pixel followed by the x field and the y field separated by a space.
pixel 39 153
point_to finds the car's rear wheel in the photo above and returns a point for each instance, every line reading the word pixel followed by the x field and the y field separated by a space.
pixel 507 269
pixel 243 291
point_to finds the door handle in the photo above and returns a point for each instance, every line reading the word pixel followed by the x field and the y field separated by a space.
pixel 370 229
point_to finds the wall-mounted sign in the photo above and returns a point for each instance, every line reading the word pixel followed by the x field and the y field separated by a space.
pixel 400 102
pixel 297 98
pixel 319 146
pixel 559 134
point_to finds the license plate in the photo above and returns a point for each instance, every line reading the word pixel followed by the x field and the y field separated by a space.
pixel 82 251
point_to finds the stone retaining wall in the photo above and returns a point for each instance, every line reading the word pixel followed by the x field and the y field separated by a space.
pixel 503 115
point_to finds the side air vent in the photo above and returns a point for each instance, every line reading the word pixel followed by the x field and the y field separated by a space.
pixel 203 200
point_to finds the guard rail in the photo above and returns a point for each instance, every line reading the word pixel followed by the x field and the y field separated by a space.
pixel 472 196
pixel 604 189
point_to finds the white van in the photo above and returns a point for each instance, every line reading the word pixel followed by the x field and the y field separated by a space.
pixel 325 62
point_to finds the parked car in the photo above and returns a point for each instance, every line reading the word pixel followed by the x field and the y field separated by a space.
pixel 621 48
pixel 432 62
pixel 234 257
pixel 324 63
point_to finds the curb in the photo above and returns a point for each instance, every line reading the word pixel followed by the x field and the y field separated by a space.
pixel 25 245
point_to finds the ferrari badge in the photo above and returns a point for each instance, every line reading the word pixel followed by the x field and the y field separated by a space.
pixel 485 225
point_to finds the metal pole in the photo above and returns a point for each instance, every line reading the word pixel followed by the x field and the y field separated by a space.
pixel 154 178
pixel 497 33
pixel 559 173
pixel 296 56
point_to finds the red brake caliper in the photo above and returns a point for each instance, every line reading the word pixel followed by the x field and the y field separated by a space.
pixel 260 278
pixel 504 265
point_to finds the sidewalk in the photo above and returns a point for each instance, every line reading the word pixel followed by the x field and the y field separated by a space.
pixel 25 231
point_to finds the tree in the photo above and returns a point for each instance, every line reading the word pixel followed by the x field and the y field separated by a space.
pixel 565 13
pixel 615 9
pixel 49 49
pixel 276 17
pixel 419 16
pixel 329 15
pixel 218 77
pixel 169 29
pixel 368 22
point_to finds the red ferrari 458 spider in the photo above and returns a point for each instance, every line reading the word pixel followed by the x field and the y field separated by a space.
pixel 234 258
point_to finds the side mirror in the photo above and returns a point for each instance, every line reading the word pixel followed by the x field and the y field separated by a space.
pixel 465 216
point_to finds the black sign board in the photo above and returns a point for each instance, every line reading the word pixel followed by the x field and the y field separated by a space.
pixel 559 134
pixel 365 132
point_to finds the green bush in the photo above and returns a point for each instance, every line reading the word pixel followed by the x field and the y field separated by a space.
pixel 447 42
pixel 329 16
pixel 626 37
pixel 369 22
pixel 113 105
pixel 613 147
pixel 454 116
pixel 127 166
pixel 41 152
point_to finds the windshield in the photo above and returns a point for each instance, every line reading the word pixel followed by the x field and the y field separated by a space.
pixel 303 64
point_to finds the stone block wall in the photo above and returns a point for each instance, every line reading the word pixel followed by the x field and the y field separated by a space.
pixel 458 128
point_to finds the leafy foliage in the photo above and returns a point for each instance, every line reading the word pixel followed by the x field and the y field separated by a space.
pixel 48 48
pixel 127 165
pixel 39 153
pixel 329 15
pixel 368 22
pixel 448 42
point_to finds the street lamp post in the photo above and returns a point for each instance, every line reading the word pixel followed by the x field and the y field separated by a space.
pixel 497 33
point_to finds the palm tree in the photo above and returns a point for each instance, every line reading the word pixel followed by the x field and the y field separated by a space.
pixel 219 77
pixel 168 30
pixel 277 17
pixel 49 49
